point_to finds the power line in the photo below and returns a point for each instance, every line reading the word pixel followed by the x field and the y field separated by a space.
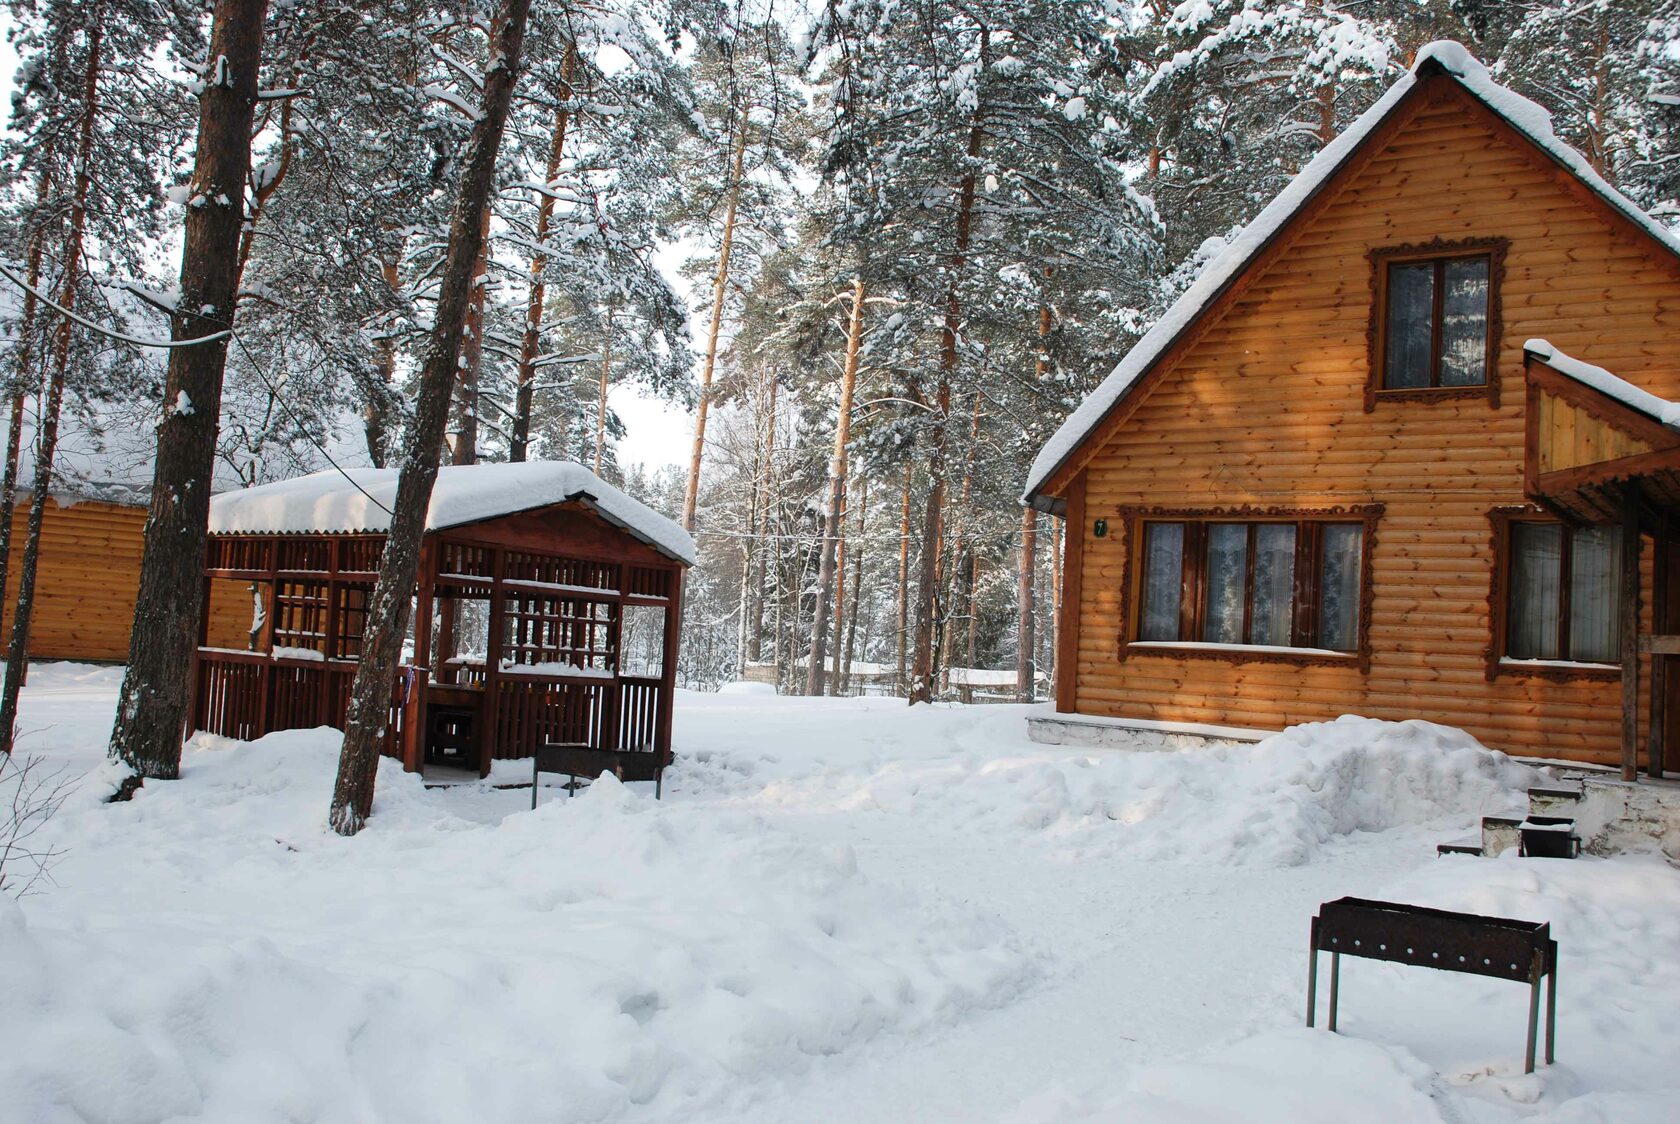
pixel 302 427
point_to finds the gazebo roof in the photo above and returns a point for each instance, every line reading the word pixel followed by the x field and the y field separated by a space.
pixel 359 501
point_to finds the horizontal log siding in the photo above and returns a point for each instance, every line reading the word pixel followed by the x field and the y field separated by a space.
pixel 90 573
pixel 1268 410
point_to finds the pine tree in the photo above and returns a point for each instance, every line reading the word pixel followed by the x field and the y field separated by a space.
pixel 387 617
pixel 151 709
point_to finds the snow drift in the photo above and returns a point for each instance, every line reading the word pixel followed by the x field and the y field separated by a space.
pixel 599 953
pixel 1276 803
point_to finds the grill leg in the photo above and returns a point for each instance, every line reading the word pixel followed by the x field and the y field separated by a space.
pixel 535 777
pixel 1551 1013
pixel 1533 1021
pixel 1312 984
pixel 1335 986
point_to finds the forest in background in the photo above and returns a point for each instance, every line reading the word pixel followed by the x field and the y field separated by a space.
pixel 917 233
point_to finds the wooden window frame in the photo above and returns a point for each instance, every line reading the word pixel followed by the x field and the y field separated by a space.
pixel 1133 519
pixel 1562 669
pixel 300 609
pixel 1438 251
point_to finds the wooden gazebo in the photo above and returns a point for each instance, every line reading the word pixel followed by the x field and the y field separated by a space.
pixel 546 614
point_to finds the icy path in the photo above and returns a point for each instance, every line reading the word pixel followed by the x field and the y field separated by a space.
pixel 844 911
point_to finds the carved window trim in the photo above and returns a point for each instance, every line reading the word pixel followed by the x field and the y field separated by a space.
pixel 1494 249
pixel 1133 518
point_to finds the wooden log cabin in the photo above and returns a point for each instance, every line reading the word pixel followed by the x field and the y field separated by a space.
pixel 89 575
pixel 1406 449
pixel 546 614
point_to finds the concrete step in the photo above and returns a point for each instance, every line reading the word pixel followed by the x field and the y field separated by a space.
pixel 1465 848
pixel 1554 800
pixel 1500 834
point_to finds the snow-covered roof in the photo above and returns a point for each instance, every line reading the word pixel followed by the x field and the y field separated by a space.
pixel 1447 57
pixel 1657 409
pixel 359 500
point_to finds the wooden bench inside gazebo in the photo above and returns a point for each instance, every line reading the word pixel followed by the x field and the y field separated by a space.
pixel 546 614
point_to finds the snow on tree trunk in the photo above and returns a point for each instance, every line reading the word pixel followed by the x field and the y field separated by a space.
pixel 369 713
pixel 152 708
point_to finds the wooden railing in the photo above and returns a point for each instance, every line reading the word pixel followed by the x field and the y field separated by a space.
pixel 638 712
pixel 248 694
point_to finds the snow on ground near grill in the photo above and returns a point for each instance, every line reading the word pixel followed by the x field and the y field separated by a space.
pixel 842 911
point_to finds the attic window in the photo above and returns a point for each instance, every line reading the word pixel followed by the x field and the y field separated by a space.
pixel 1435 320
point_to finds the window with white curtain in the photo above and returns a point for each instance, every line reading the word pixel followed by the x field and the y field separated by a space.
pixel 1564 589
pixel 1277 583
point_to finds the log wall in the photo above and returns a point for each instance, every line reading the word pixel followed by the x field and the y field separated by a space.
pixel 1268 409
pixel 90 573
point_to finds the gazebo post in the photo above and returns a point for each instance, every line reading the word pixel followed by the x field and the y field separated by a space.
pixel 1656 731
pixel 492 662
pixel 414 705
pixel 668 666
pixel 1630 633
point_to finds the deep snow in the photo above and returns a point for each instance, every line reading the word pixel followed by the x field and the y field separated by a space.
pixel 843 910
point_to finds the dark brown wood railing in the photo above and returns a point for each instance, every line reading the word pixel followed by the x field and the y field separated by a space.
pixel 248 694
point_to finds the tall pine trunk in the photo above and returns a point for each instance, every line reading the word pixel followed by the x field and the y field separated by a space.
pixel 601 403
pixel 152 709
pixel 767 478
pixel 376 411
pixel 1057 529
pixel 1026 670
pixel 22 379
pixel 46 438
pixel 903 619
pixel 857 586
pixel 962 548
pixel 928 577
pixel 530 341
pixel 387 611
pixel 839 598
pixel 814 671
pixel 720 284
pixel 463 436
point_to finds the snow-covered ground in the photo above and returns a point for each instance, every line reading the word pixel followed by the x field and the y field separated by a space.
pixel 844 910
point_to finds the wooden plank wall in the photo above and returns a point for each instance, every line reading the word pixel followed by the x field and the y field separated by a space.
pixel 1267 410
pixel 1569 436
pixel 90 572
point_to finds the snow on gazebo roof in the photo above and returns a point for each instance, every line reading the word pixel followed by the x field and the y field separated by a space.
pixel 1447 57
pixel 359 500
pixel 1659 410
